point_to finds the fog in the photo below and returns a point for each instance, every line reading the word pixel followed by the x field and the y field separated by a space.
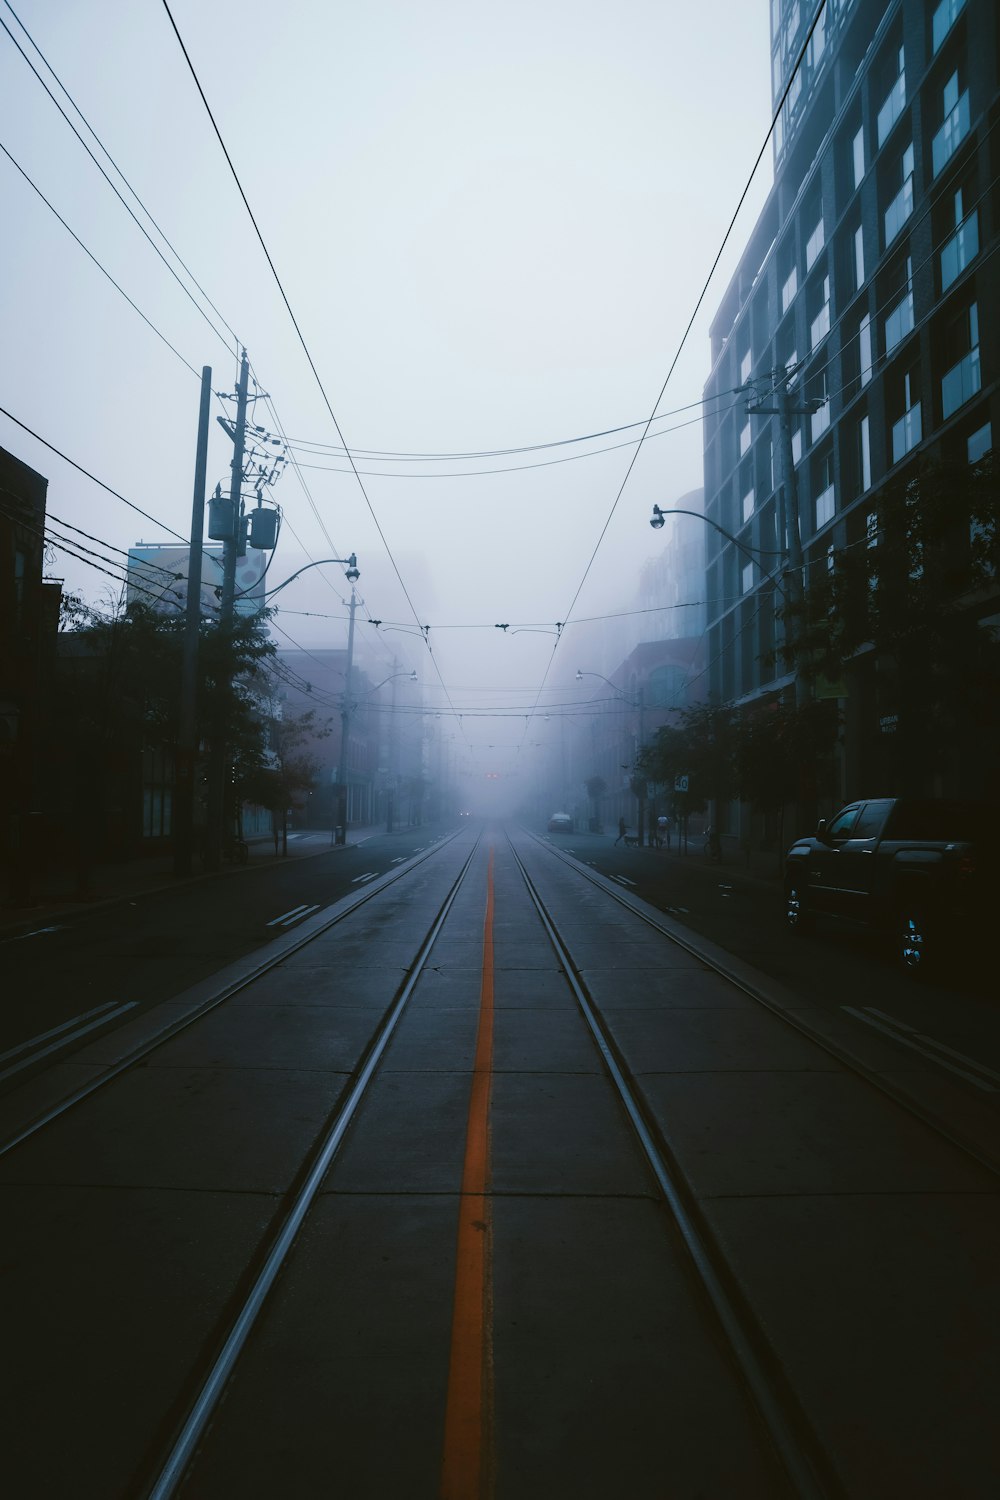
pixel 492 225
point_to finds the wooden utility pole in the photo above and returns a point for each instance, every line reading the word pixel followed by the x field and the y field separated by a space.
pixel 218 764
pixel 184 764
pixel 340 835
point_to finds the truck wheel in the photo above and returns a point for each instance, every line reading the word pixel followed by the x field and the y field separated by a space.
pixel 798 917
pixel 912 946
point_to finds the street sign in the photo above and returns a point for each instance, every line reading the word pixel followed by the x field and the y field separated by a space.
pixel 680 783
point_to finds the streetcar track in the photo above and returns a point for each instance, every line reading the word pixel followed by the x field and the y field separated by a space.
pixel 806 1465
pixel 743 983
pixel 288 944
pixel 271 1256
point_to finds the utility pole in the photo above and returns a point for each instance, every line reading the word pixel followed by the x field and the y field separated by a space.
pixel 186 733
pixel 340 834
pixel 789 524
pixel 218 766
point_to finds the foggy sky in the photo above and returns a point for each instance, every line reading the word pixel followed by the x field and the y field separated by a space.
pixel 492 224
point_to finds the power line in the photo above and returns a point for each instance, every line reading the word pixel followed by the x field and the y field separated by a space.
pixel 102 268
pixel 514 468
pixel 142 230
pixel 307 444
pixel 295 323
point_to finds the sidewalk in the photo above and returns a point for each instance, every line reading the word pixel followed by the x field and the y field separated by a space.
pixel 56 892
pixel 756 867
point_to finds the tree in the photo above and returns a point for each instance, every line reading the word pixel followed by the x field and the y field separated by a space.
pixel 286 770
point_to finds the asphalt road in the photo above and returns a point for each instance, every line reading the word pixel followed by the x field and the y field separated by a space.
pixel 837 964
pixel 137 952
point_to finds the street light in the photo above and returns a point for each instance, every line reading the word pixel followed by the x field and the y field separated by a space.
pixel 352 573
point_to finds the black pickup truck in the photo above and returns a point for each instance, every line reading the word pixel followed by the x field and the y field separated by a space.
pixel 925 871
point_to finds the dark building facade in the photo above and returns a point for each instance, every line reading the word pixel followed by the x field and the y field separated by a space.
pixel 871 279
pixel 29 618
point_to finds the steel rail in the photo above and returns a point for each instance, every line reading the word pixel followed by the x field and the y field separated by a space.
pixel 173 1469
pixel 291 945
pixel 839 1054
pixel 799 1450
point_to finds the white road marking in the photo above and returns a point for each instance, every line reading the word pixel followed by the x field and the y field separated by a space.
pixel 55 1030
pixel 285 915
pixel 369 875
pixel 37 933
pixel 623 880
pixel 398 860
pixel 928 1047
pixel 108 1012
pixel 299 916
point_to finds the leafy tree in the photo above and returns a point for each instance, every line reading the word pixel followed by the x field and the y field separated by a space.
pixel 285 770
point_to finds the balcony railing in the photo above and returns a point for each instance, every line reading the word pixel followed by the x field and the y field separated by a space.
pixel 960 250
pixel 891 109
pixel 952 133
pixel 906 433
pixel 960 383
pixel 944 19
pixel 899 211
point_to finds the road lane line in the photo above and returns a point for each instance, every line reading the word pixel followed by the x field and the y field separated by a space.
pixel 368 875
pixel 298 916
pixel 467 1463
pixel 69 1036
pixel 43 1036
pixel 295 911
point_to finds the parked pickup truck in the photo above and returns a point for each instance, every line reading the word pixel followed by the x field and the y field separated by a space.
pixel 925 871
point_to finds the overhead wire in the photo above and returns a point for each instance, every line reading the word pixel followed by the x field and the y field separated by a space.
pixel 294 320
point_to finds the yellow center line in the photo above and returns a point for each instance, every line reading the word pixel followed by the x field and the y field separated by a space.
pixel 467 1464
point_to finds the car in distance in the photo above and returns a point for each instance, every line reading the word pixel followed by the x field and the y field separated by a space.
pixel 921 869
pixel 560 823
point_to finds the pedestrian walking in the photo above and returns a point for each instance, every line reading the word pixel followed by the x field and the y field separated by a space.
pixel 622 830
pixel 662 831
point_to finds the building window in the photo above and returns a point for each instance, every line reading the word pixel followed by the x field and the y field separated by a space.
pixel 962 246
pixel 747 577
pixel 788 289
pixel 907 430
pixel 901 206
pixel 819 420
pixel 865 349
pixel 745 437
pixel 979 443
pixel 747 504
pixel 864 454
pixel 825 497
pixel 815 243
pixel 858 156
pixel 955 126
pixel 859 258
pixel 963 378
pixel 943 19
pixel 899 319
pixel 819 312
pixel 892 108
pixel 797 446
pixel 745 367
